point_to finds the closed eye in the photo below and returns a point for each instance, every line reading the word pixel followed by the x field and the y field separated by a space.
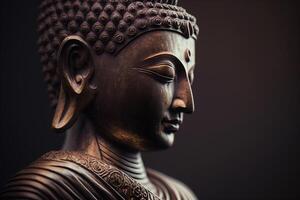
pixel 163 72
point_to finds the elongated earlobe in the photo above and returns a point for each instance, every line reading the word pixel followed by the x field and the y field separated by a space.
pixel 75 68
pixel 65 113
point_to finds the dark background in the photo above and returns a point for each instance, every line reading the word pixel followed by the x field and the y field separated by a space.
pixel 242 141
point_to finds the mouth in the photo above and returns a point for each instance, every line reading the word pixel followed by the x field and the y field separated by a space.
pixel 171 125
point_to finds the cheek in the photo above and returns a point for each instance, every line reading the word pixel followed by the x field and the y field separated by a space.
pixel 147 100
pixel 168 92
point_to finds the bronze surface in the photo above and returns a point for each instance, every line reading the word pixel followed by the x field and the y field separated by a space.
pixel 112 105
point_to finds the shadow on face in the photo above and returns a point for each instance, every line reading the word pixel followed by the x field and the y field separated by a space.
pixel 143 91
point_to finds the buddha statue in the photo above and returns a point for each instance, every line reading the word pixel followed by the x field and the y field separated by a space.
pixel 119 75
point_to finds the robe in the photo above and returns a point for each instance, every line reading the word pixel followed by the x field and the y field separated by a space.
pixel 60 175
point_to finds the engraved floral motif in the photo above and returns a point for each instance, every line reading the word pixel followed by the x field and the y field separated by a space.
pixel 121 182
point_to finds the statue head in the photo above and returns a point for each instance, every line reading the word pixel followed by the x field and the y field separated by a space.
pixel 125 65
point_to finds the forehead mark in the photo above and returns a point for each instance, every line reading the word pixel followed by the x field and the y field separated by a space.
pixel 187 55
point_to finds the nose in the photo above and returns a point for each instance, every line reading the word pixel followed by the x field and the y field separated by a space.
pixel 183 99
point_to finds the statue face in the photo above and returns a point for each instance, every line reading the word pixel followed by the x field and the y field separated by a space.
pixel 144 90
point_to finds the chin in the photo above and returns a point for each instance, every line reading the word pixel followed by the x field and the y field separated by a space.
pixel 150 141
pixel 163 141
pixel 168 139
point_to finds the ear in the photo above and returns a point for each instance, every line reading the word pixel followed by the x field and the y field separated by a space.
pixel 75 68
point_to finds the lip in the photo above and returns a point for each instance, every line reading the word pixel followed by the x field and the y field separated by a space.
pixel 171 126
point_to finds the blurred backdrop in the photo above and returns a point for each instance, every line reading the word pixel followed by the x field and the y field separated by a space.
pixel 242 141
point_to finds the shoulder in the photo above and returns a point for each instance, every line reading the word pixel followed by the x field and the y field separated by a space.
pixel 55 179
pixel 177 189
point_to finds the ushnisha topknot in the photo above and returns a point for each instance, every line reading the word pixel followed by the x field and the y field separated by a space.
pixel 107 26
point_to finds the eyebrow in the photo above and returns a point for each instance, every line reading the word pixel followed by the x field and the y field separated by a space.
pixel 171 56
pixel 164 54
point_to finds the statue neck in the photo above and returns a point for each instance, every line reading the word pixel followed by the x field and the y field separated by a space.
pixel 82 137
pixel 129 162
